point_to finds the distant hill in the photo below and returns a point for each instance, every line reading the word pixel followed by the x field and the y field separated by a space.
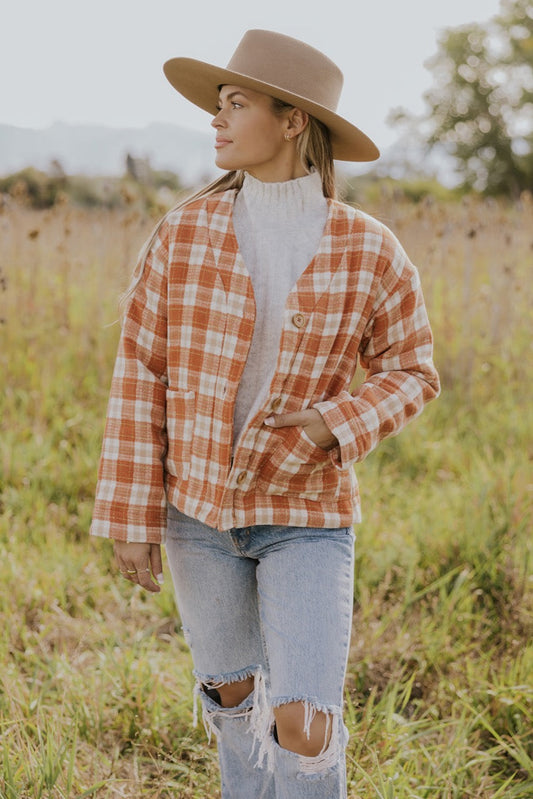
pixel 99 150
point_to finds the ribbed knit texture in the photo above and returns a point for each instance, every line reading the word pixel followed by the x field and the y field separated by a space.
pixel 278 228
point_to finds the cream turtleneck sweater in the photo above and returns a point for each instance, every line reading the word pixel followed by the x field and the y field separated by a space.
pixel 278 228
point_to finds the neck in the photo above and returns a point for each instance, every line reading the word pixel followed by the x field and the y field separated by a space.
pixel 288 169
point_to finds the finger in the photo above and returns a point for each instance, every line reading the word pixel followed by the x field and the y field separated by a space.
pixel 135 563
pixel 128 572
pixel 138 568
pixel 156 563
pixel 128 568
pixel 131 557
pixel 144 578
pixel 292 419
pixel 131 573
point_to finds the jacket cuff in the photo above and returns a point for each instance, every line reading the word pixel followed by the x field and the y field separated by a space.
pixel 131 523
pixel 344 428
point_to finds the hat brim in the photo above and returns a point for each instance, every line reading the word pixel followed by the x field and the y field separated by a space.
pixel 198 82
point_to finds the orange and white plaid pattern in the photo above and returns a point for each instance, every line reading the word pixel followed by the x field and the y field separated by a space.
pixel 182 351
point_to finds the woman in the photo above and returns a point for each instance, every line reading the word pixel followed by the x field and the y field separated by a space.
pixel 231 430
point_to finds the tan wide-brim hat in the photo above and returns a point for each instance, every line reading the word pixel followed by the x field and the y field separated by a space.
pixel 284 68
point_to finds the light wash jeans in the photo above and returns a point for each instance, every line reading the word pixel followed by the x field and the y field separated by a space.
pixel 274 603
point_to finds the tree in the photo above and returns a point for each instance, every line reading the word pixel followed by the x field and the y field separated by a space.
pixel 481 103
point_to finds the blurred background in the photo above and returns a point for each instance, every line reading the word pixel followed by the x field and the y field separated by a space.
pixel 95 145
pixel 444 90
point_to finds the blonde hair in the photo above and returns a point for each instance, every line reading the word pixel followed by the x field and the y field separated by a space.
pixel 313 146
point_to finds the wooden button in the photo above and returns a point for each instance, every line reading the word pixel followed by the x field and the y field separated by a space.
pixel 298 320
pixel 241 478
pixel 276 403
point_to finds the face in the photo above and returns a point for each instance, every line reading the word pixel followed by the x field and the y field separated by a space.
pixel 250 136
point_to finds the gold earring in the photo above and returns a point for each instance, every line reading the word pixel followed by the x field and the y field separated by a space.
pixel 288 137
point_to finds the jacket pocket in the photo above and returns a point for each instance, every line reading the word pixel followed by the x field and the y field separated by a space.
pixel 180 425
pixel 298 466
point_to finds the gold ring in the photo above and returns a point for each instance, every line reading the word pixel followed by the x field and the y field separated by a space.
pixel 142 571
pixel 131 571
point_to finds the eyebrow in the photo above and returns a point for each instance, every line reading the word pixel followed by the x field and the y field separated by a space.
pixel 231 95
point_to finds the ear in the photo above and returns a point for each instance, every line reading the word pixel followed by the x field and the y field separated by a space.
pixel 297 121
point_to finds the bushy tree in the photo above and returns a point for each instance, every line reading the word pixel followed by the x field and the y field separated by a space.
pixel 480 107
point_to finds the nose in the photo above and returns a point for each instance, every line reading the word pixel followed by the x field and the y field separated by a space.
pixel 218 121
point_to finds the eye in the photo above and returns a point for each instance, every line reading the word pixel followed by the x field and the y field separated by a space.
pixel 233 104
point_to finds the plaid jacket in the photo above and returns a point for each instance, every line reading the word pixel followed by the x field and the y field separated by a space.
pixel 182 351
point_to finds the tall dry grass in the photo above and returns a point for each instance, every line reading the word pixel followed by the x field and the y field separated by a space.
pixel 95 684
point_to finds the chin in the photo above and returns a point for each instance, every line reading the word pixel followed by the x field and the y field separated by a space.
pixel 227 163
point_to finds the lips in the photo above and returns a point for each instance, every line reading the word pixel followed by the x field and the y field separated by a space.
pixel 221 143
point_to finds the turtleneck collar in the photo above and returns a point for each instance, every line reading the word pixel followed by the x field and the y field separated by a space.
pixel 285 200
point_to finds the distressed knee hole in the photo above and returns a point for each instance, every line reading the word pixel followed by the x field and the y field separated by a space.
pixel 302 729
pixel 319 765
pixel 319 737
pixel 240 695
pixel 234 693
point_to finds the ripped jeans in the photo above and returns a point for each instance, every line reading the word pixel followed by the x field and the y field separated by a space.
pixel 273 603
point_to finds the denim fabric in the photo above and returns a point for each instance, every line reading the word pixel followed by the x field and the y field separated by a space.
pixel 274 603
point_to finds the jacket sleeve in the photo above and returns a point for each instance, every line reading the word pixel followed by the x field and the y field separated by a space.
pixel 396 352
pixel 130 502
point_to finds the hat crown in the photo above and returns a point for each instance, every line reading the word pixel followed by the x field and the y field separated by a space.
pixel 284 68
pixel 290 65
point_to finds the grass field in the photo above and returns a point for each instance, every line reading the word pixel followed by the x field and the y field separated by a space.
pixel 95 682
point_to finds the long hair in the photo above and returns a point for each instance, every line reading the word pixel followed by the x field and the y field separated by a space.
pixel 313 146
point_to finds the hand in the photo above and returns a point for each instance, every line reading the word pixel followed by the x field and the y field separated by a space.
pixel 138 562
pixel 311 421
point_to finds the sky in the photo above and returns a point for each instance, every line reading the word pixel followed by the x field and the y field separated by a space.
pixel 100 62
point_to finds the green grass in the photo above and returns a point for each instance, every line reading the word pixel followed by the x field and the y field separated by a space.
pixel 95 680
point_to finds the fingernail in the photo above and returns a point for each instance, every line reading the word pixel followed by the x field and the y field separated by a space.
pixel 270 421
pixel 160 579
